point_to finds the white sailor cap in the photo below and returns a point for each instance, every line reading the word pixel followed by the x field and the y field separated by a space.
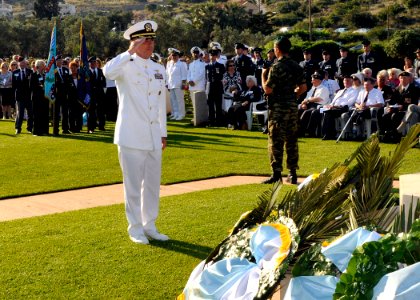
pixel 141 29
pixel 216 45
pixel 173 51
pixel 195 49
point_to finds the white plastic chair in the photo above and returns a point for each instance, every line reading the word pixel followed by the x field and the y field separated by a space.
pixel 259 112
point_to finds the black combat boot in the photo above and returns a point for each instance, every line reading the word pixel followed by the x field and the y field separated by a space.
pixel 292 177
pixel 274 178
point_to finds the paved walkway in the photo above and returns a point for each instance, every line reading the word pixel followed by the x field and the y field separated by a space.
pixel 45 204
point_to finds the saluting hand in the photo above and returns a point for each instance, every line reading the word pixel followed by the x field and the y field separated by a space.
pixel 135 44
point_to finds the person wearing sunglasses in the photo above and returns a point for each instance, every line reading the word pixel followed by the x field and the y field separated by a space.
pixel 140 131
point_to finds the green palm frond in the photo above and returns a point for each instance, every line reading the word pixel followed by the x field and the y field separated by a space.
pixel 319 209
pixel 373 198
pixel 399 224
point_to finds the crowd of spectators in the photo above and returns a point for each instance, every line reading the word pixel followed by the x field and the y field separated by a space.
pixel 343 96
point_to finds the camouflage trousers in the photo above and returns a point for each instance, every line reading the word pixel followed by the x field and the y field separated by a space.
pixel 283 132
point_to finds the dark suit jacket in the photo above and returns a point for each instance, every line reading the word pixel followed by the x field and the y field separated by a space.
pixel 62 83
pixel 21 86
pixel 368 61
pixel 407 97
pixel 97 85
pixel 36 85
pixel 214 75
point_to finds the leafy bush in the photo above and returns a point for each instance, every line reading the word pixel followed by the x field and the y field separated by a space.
pixel 403 43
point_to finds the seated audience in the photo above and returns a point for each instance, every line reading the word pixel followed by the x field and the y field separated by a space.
pixel 393 80
pixel 309 115
pixel 357 81
pixel 367 72
pixel 341 103
pixel 368 98
pixel 242 102
pixel 405 95
pixel 231 82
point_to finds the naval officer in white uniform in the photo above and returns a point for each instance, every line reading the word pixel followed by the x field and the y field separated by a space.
pixel 140 131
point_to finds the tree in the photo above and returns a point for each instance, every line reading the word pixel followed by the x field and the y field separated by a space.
pixel 403 43
pixel 46 8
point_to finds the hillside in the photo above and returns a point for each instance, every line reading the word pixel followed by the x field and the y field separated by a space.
pixel 326 14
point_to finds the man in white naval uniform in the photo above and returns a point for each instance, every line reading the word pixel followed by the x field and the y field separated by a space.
pixel 196 72
pixel 176 72
pixel 140 131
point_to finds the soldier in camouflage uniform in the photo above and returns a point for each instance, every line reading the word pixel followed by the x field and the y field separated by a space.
pixel 285 82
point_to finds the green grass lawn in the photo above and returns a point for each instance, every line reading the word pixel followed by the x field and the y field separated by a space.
pixel 31 165
pixel 87 254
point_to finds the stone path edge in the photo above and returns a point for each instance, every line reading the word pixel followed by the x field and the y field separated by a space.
pixel 58 202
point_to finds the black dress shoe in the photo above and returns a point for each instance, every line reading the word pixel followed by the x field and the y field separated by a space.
pixel 66 132
pixel 102 128
pixel 18 131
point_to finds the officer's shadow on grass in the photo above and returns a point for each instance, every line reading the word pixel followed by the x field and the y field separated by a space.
pixel 194 250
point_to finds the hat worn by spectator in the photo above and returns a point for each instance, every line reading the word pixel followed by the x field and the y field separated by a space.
pixel 216 46
pixel 405 73
pixel 173 51
pixel 239 46
pixel 214 51
pixel 258 50
pixel 317 75
pixel 141 29
pixel 92 59
pixel 358 76
pixel 370 79
pixel 270 51
pixel 195 49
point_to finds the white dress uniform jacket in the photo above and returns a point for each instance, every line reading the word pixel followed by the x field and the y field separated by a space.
pixel 197 73
pixel 142 95
pixel 176 72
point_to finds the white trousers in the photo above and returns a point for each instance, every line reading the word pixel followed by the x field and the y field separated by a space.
pixel 177 102
pixel 141 177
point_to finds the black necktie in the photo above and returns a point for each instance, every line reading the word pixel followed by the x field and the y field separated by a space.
pixel 341 95
pixel 366 98
pixel 313 94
